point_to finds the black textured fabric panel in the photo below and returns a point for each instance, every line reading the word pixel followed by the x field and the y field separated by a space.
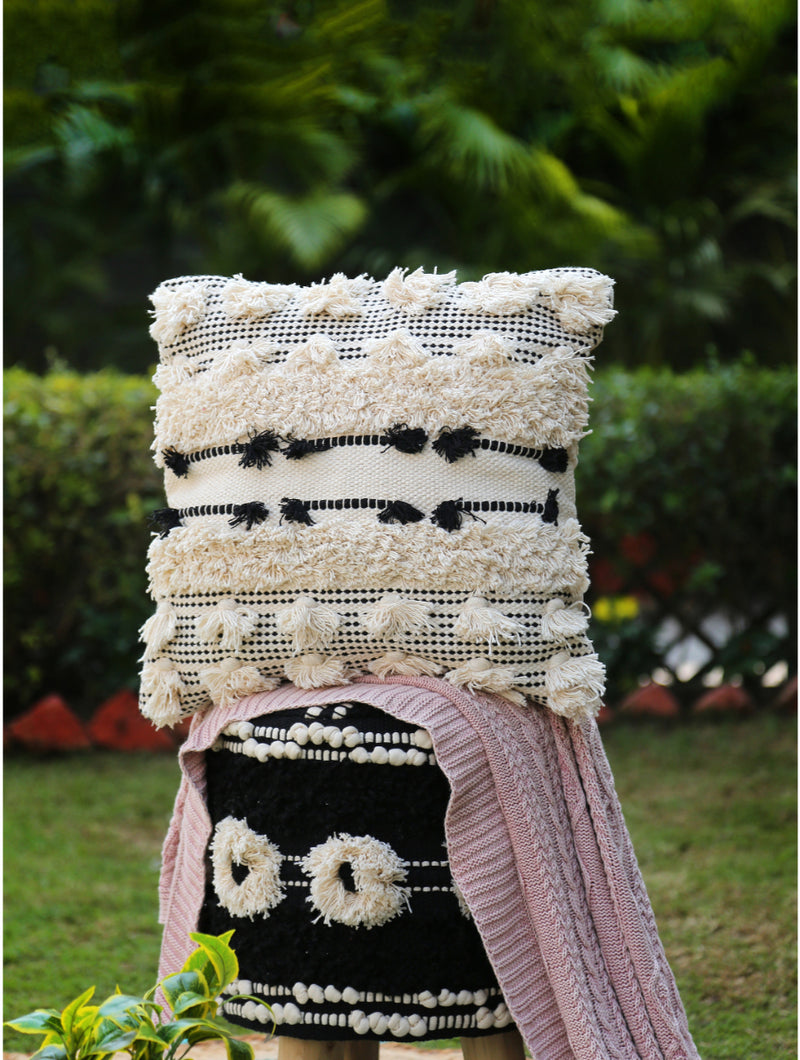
pixel 431 948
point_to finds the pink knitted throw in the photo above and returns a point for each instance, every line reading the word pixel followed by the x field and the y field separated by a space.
pixel 538 847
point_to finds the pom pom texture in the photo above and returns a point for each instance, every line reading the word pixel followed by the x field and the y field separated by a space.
pixel 414 514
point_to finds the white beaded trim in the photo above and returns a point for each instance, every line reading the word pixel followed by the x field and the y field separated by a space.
pixel 380 1022
pixel 292 743
pixel 360 755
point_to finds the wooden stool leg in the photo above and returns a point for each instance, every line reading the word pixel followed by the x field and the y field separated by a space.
pixel 507 1045
pixel 361 1050
pixel 300 1049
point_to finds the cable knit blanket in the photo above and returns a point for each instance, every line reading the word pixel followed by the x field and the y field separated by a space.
pixel 538 847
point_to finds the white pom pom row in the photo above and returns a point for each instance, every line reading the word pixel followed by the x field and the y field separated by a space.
pixel 404 665
pixel 307 623
pixel 560 621
pixel 235 843
pixel 394 616
pixel 161 627
pixel 162 691
pixel 478 675
pixel 229 622
pixel 574 684
pixel 478 622
pixel 316 671
pixel 231 680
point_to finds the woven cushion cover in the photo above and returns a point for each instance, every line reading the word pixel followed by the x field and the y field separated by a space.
pixel 372 476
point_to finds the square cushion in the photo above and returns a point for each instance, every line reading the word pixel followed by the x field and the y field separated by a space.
pixel 372 476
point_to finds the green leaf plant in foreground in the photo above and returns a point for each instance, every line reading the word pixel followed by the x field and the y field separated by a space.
pixel 138 1025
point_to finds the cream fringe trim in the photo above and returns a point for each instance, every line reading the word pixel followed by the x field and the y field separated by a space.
pixel 540 405
pixel 491 559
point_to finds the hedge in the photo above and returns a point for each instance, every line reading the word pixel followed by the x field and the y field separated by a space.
pixel 79 483
pixel 687 486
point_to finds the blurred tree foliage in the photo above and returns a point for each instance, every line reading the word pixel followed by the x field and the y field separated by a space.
pixel 652 139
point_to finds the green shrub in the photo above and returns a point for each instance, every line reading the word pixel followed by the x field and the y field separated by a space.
pixel 79 483
pixel 686 486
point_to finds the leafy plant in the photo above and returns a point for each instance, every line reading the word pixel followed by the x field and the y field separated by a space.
pixel 124 1023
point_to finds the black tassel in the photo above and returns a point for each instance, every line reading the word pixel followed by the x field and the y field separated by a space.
pixel 257 451
pixel 400 512
pixel 295 511
pixel 405 439
pixel 554 459
pixel 453 444
pixel 550 513
pixel 300 447
pixel 251 513
pixel 165 519
pixel 176 462
pixel 449 515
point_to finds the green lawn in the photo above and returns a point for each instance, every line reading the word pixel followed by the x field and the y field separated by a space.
pixel 711 809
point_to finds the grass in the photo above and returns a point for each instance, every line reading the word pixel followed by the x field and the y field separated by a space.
pixel 711 808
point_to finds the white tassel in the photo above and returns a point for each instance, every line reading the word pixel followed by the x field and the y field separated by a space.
pixel 574 684
pixel 228 621
pixel 499 293
pixel 399 349
pixel 394 616
pixel 560 621
pixel 478 622
pixel 478 675
pixel 579 302
pixel 175 309
pixel 173 373
pixel 418 291
pixel 242 299
pixel 404 665
pixel 163 690
pixel 484 349
pixel 160 628
pixel 240 359
pixel 339 297
pixel 318 352
pixel 232 680
pixel 316 671
pixel 309 624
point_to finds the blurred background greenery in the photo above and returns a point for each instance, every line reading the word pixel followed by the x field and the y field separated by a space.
pixel 651 139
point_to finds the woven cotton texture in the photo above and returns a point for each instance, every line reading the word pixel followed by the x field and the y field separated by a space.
pixel 372 477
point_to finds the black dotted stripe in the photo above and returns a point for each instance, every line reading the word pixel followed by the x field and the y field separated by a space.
pixel 554 459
